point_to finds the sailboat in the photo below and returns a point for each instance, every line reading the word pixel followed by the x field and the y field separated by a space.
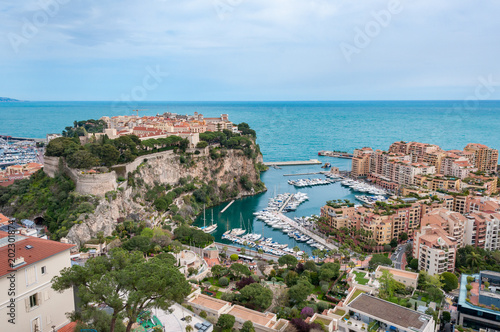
pixel 211 228
pixel 239 231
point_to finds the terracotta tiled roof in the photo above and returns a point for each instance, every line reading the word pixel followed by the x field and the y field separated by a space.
pixel 3 219
pixel 70 327
pixel 40 250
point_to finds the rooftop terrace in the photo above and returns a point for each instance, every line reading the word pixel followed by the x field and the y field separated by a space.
pixel 389 312
pixel 251 315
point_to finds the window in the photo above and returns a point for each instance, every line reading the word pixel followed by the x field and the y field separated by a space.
pixel 33 301
pixel 30 275
pixel 44 269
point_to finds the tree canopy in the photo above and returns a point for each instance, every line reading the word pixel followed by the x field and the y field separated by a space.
pixel 289 260
pixel 257 295
pixel 126 282
pixel 379 259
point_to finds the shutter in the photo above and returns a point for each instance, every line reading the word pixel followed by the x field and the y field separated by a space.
pixel 27 303
pixel 38 299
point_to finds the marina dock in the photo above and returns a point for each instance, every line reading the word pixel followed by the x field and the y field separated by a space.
pixel 293 163
pixel 335 154
pixel 311 173
pixel 285 203
pixel 307 232
pixel 227 206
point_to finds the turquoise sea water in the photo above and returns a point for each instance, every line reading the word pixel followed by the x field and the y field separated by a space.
pixel 290 131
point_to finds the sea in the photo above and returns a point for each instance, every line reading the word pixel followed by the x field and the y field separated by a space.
pixel 289 131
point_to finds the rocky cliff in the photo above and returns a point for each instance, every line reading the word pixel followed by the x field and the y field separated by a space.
pixel 158 169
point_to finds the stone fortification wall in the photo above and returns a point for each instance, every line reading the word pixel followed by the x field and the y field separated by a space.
pixel 86 184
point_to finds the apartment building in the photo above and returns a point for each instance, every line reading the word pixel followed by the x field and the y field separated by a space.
pixel 434 249
pixel 380 226
pixel 453 223
pixel 482 230
pixel 28 297
pixel 485 158
pixel 361 162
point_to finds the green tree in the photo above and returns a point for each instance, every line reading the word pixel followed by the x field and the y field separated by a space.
pixel 414 264
pixel 379 259
pixel 300 291
pixel 329 271
pixel 238 270
pixel 82 159
pixel 234 257
pixel 450 281
pixel 247 327
pixel 226 322
pixel 105 279
pixel 257 295
pixel 403 236
pixel 289 260
pixel 387 284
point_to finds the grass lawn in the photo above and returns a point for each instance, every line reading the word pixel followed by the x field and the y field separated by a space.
pixel 339 312
pixel 218 295
pixel 215 282
pixel 355 295
pixel 360 278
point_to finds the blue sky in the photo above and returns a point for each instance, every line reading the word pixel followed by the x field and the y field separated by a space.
pixel 248 49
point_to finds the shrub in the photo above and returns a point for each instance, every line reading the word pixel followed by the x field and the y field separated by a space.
pixel 307 312
pixel 223 282
pixel 203 314
pixel 234 257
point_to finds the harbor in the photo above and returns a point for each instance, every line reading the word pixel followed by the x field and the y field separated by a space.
pixel 241 215
pixel 18 152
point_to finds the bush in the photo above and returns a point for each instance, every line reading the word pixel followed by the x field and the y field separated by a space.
pixel 223 282
pixel 450 281
pixel 234 257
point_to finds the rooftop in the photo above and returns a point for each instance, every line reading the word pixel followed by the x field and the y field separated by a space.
pixel 209 302
pixel 251 315
pixel 399 273
pixel 389 312
pixel 32 249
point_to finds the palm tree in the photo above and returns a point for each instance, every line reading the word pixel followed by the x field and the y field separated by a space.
pixel 189 328
pixel 296 249
pixel 188 319
pixel 473 260
pixel 261 251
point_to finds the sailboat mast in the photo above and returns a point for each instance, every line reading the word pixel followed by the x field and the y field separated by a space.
pixel 204 220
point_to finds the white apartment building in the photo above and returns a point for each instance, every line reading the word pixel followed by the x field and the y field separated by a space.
pixel 27 301
pixel 435 250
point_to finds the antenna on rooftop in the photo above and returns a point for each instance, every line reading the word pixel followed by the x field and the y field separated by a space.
pixel 137 111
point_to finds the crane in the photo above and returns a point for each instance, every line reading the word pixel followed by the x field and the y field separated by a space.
pixel 138 111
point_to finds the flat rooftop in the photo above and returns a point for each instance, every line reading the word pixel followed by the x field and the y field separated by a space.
pixel 389 312
pixel 251 315
pixel 400 273
pixel 209 302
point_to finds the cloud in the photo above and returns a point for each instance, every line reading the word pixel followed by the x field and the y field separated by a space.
pixel 240 49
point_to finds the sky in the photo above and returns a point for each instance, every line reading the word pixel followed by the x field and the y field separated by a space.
pixel 249 50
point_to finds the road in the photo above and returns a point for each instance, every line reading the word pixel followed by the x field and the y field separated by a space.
pixel 234 250
pixel 399 256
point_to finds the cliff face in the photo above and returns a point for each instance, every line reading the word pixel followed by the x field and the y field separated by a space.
pixel 168 169
pixel 162 168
